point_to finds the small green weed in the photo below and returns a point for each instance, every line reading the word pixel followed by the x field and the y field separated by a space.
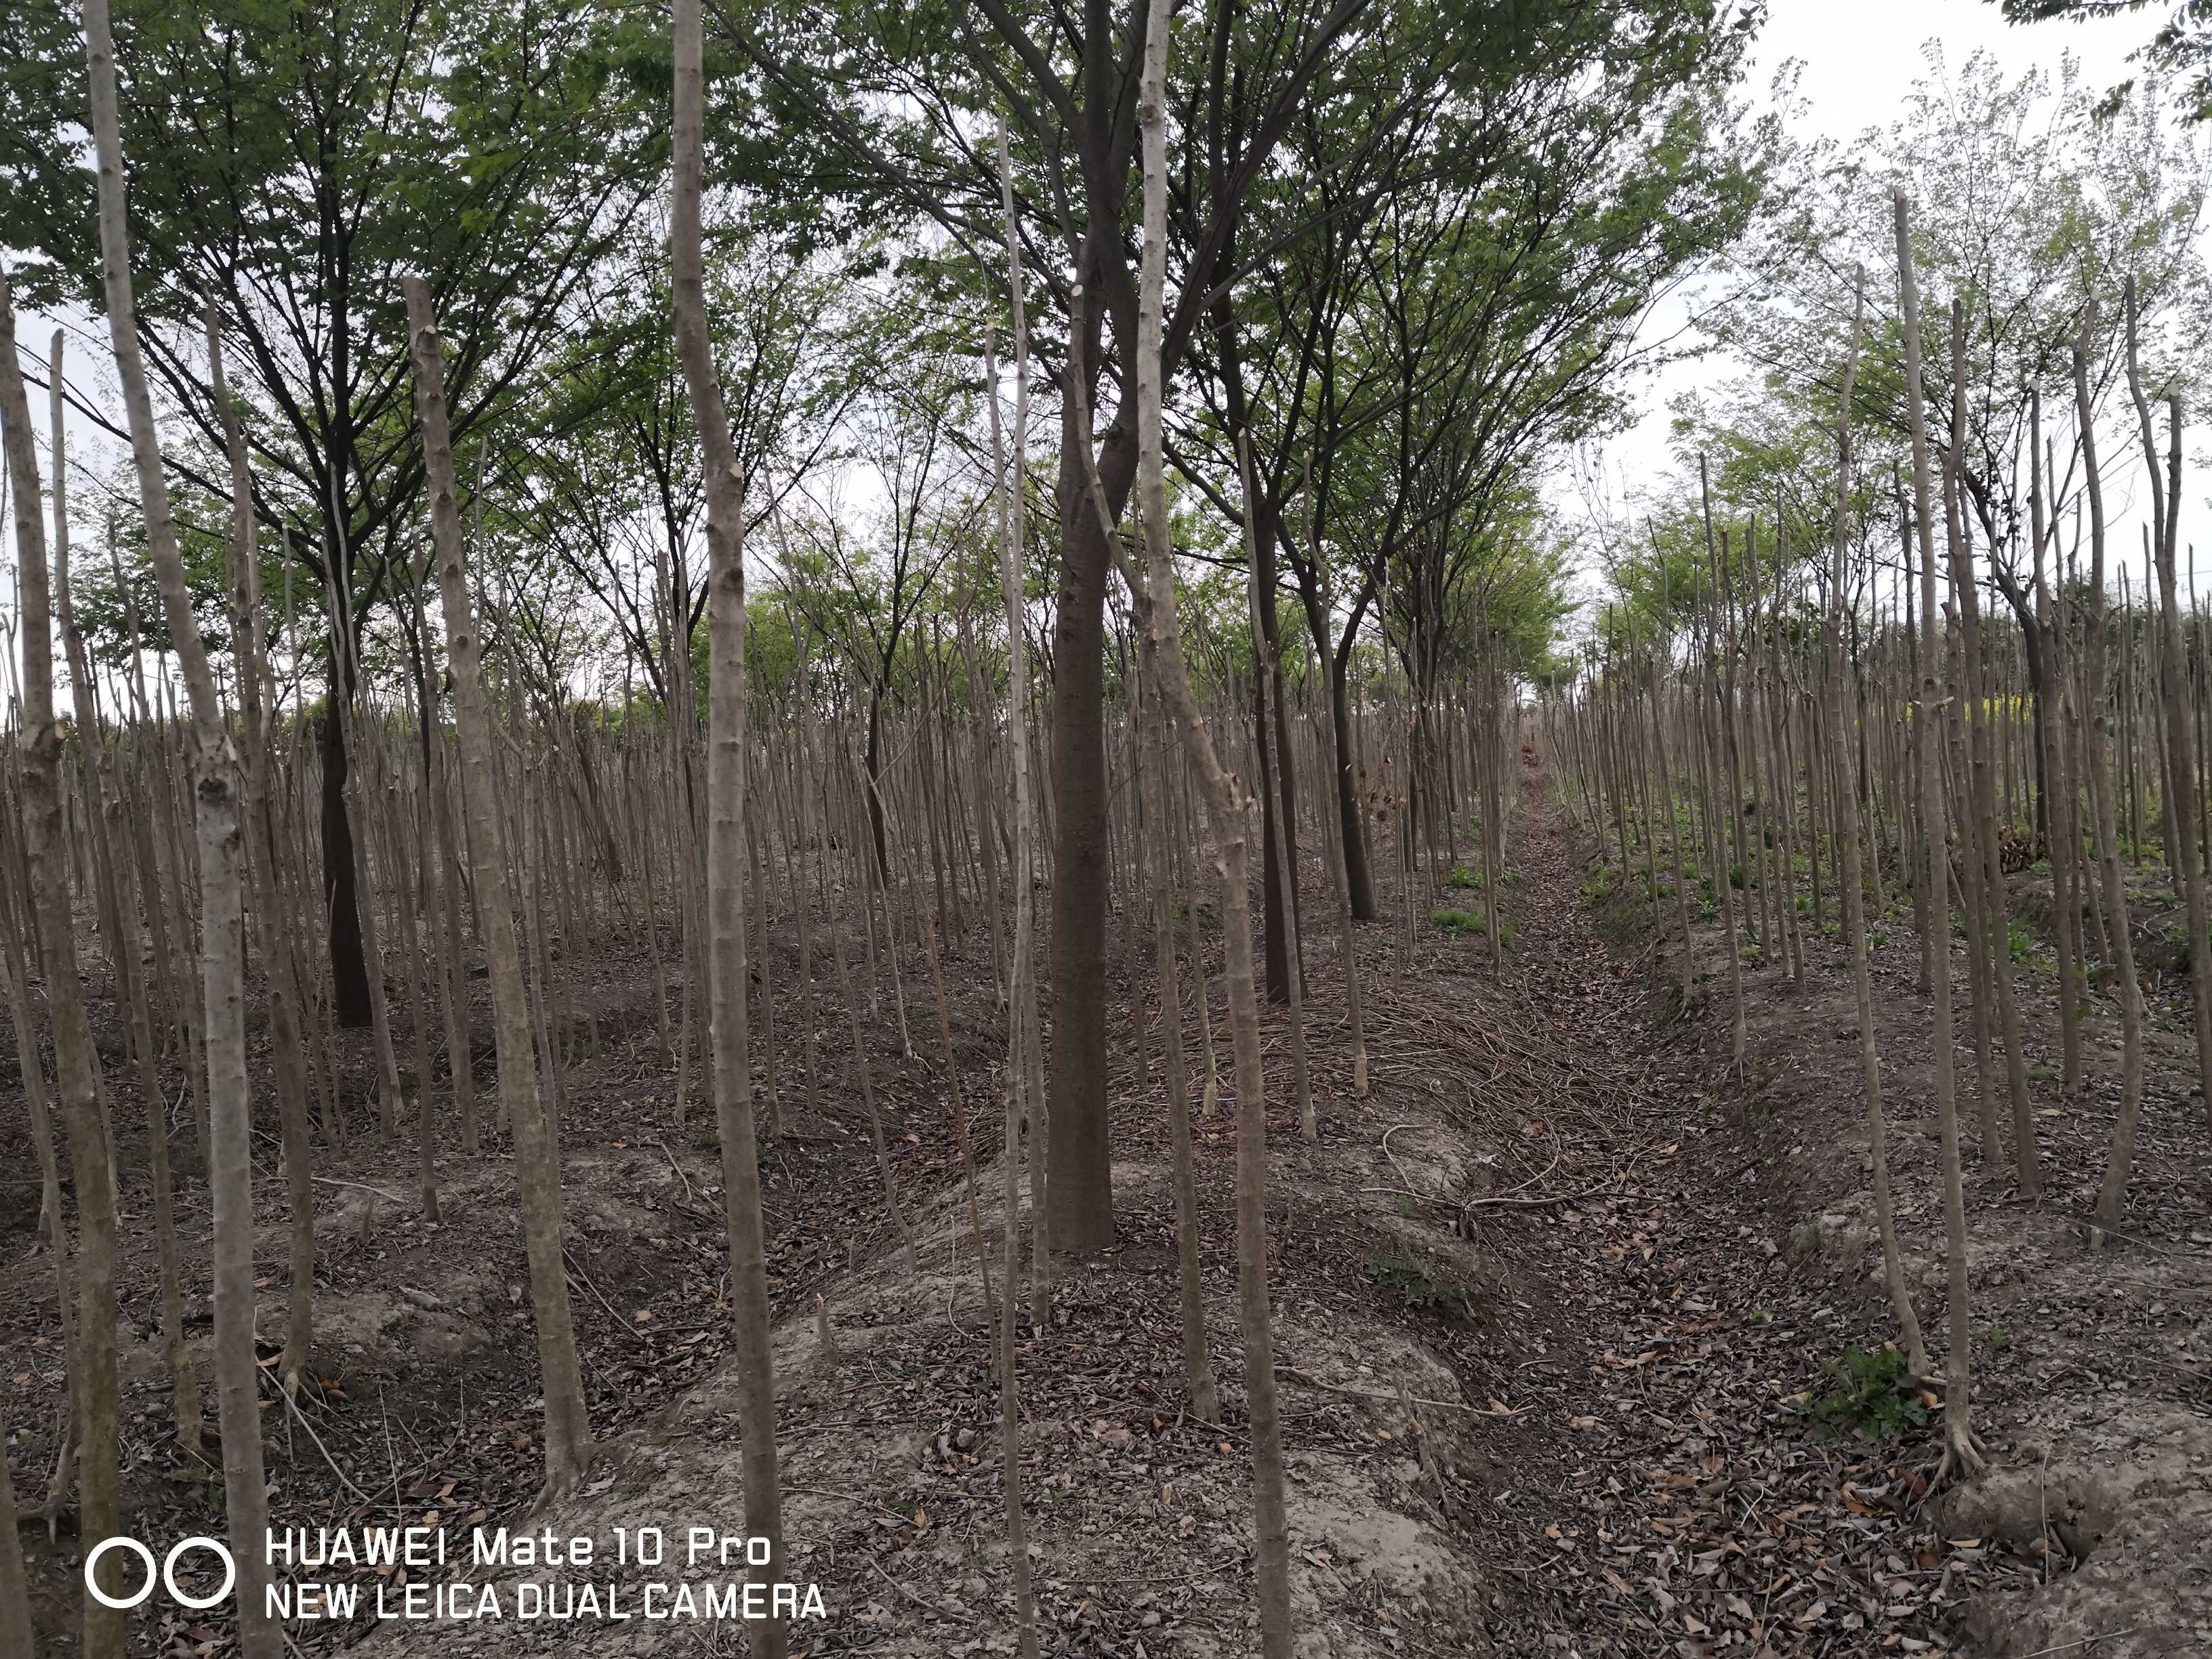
pixel 1873 1398
pixel 1420 1285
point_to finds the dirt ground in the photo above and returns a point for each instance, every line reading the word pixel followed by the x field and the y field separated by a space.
pixel 1548 1303
pixel 2092 1368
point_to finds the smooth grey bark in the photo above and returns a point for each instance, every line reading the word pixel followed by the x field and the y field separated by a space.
pixel 1022 965
pixel 1854 890
pixel 1229 811
pixel 1962 1450
pixel 727 1030
pixel 2112 1194
pixel 537 1153
pixel 2182 784
pixel 230 1112
pixel 76 1064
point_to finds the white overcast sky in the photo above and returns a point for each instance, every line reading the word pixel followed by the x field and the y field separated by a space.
pixel 1858 60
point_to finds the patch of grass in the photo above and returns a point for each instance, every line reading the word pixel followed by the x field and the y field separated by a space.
pixel 1420 1285
pixel 1505 934
pixel 1873 1397
pixel 2039 1073
pixel 1464 878
pixel 1455 922
pixel 2019 941
pixel 1598 889
pixel 1878 938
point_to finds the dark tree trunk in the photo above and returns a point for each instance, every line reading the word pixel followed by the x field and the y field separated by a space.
pixel 1277 781
pixel 1334 656
pixel 875 784
pixel 1079 1153
pixel 1359 873
pixel 341 897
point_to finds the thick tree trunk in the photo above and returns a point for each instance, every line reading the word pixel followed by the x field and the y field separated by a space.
pixel 1358 867
pixel 349 998
pixel 1271 744
pixel 1079 1152
pixel 2111 1195
pixel 1277 795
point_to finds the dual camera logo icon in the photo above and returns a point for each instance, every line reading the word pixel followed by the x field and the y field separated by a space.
pixel 167 1574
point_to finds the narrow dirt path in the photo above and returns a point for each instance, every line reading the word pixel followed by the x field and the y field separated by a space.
pixel 1696 1510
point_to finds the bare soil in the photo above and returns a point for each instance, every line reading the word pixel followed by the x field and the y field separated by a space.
pixel 1548 1303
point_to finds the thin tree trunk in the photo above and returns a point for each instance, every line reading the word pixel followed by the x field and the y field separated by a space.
pixel 219 841
pixel 1961 1451
pixel 1229 812
pixel 2181 812
pixel 727 976
pixel 1854 892
pixel 2112 1194
pixel 1268 686
pixel 537 1154
pixel 1009 507
pixel 76 1063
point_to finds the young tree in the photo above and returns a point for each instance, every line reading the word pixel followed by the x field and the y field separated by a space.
pixel 1228 811
pixel 1853 876
pixel 92 1383
pixel 214 795
pixel 1962 1454
pixel 725 821
pixel 536 1151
